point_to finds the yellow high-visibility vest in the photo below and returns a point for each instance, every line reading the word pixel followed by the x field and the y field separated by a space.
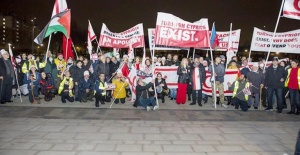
pixel 61 86
pixel 288 78
pixel 236 86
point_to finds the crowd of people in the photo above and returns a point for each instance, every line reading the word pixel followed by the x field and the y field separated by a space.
pixel 101 81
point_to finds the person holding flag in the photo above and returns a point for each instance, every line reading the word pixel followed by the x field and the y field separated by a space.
pixel 7 78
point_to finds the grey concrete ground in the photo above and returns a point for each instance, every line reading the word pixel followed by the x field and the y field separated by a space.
pixel 67 129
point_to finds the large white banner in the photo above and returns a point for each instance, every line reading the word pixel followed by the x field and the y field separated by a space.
pixel 223 37
pixel 291 9
pixel 133 36
pixel 285 42
pixel 151 35
pixel 173 31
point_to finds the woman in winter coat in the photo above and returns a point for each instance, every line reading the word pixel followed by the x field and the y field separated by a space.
pixel 46 84
pixel 119 92
pixel 183 72
pixel 33 82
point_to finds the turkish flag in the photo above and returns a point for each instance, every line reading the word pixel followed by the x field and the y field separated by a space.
pixel 67 52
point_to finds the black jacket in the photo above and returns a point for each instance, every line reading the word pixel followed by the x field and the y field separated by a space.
pixel 113 67
pixel 103 68
pixel 183 77
pixel 256 78
pixel 76 73
pixel 163 81
pixel 201 72
pixel 6 78
pixel 272 77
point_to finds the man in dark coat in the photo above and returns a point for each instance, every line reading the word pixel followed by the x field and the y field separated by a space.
pixel 114 65
pixel 77 73
pixel 6 78
pixel 256 80
pixel 102 67
pixel 197 78
pixel 274 81
pixel 86 88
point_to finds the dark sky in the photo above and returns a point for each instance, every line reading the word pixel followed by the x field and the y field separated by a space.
pixel 120 15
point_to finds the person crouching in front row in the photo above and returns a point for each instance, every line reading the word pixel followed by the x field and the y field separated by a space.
pixel 86 88
pixel 100 90
pixel 33 82
pixel 159 81
pixel 239 95
pixel 143 95
pixel 66 87
pixel 119 92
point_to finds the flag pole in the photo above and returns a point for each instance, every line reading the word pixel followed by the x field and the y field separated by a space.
pixel 228 48
pixel 98 47
pixel 75 50
pixel 48 46
pixel 194 54
pixel 213 72
pixel 249 56
pixel 67 48
pixel 154 75
pixel 271 44
pixel 188 53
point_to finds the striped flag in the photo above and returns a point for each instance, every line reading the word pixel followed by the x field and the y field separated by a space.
pixel 291 9
pixel 214 39
pixel 90 38
pixel 12 59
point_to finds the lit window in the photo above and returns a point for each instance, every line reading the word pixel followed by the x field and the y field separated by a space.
pixel 17 21
pixel 17 40
pixel 3 31
pixel 3 27
pixel 3 19
pixel 4 39
pixel 17 25
pixel 17 36
pixel 3 23
pixel 17 29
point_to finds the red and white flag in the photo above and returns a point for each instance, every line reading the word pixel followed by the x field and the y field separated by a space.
pixel 230 51
pixel 59 6
pixel 130 52
pixel 91 32
pixel 132 78
pixel 12 59
pixel 291 9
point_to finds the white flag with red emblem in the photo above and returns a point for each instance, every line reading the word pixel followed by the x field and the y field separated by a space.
pixel 132 78
pixel 91 32
pixel 291 9
pixel 12 59
pixel 59 6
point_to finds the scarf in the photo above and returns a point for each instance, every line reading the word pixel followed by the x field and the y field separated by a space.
pixel 196 79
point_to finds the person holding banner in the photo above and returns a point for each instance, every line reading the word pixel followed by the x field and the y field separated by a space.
pixel 183 73
pixel 218 76
pixel 274 81
pixel 161 83
pixel 256 80
pixel 241 93
pixel 197 78
pixel 293 83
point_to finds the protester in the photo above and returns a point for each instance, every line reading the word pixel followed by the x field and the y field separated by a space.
pixel 175 62
pixel 23 59
pixel 148 67
pixel 46 84
pixel 137 63
pixel 183 73
pixel 51 68
pixel 77 73
pixel 293 84
pixel 70 63
pixel 161 82
pixel 65 88
pixel 33 85
pixel 274 81
pixel 100 90
pixel 30 62
pixel 285 89
pixel 197 78
pixel 119 93
pixel 60 63
pixel 256 80
pixel 163 61
pixel 143 97
pixel 218 77
pixel 169 61
pixel 85 88
pixel 103 67
pixel 238 87
pixel 113 67
pixel 7 78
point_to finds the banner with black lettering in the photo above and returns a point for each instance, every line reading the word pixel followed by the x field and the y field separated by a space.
pixel 173 31
pixel 133 36
pixel 285 42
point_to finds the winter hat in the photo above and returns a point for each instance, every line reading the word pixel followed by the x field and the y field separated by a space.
pixel 3 51
pixel 86 73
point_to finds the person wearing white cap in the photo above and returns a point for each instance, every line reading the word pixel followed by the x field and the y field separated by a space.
pixel 163 61
pixel 256 80
pixel 6 78
pixel 86 88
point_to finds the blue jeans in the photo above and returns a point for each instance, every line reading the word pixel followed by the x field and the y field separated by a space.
pixel 173 92
pixel 278 93
pixel 256 100
pixel 147 102
pixel 295 103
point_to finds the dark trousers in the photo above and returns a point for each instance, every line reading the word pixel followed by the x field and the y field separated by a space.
pixel 285 90
pixel 278 93
pixel 147 102
pixel 297 149
pixel 189 91
pixel 6 93
pixel 120 99
pixel 199 97
pixel 264 95
pixel 241 103
pixel 33 93
pixel 65 96
pixel 294 99
pixel 99 98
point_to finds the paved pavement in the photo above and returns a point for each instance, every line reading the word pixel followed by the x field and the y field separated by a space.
pixel 80 129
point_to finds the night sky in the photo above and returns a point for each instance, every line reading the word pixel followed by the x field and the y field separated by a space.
pixel 120 15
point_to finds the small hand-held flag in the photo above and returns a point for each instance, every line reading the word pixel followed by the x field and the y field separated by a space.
pixel 59 6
